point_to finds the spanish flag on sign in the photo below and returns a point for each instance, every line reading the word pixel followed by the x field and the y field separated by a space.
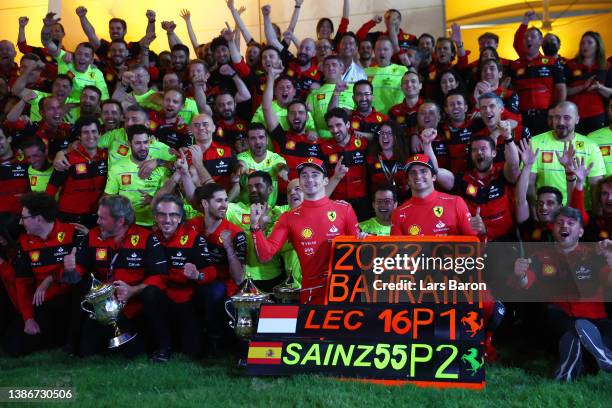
pixel 265 353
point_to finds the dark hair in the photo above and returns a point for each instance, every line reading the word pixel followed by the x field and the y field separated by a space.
pixel 536 29
pixel 455 92
pixel 85 121
pixel 458 78
pixel 137 108
pixel 33 141
pixel 337 113
pixel 119 207
pixel 92 88
pixel 119 42
pixel 112 101
pixel 170 198
pixel 257 126
pixel 118 20
pixel 493 50
pixel 431 37
pixel 453 48
pixel 206 192
pixel 400 146
pixel 64 77
pixel 489 35
pixel 570 212
pixel 180 92
pixel 30 56
pixel 180 47
pixel 551 190
pixel 218 42
pixel 392 10
pixel 40 203
pixel 333 57
pixel 137 130
pixel 385 187
pixel 482 63
pixel 362 82
pixel 263 174
pixel 321 21
pixel 484 138
pixel 41 103
pixel 294 102
pixel 86 45
pixel 349 34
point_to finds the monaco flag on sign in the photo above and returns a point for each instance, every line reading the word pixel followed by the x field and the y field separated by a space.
pixel 277 319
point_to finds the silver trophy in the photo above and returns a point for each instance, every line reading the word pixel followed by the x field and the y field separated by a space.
pixel 246 309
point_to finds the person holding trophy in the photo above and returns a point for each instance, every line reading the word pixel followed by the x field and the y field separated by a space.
pixel 130 257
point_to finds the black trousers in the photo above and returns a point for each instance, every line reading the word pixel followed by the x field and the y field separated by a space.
pixel 53 318
pixel 183 326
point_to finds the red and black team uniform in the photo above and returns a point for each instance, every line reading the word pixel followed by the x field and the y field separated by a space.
pixel 303 80
pixel 81 186
pixel 405 116
pixel 217 82
pixel 534 81
pixel 219 161
pixel 10 74
pixel 36 260
pixel 404 39
pixel 456 141
pixel 255 80
pixel 14 181
pixel 185 246
pixel 173 133
pixel 383 171
pixel 50 70
pixel 591 105
pixel 55 139
pixel 431 78
pixel 480 129
pixel 471 71
pixel 228 133
pixel 438 214
pixel 138 259
pixel 494 196
pixel 367 124
pixel 103 51
pixel 353 187
pixel 310 229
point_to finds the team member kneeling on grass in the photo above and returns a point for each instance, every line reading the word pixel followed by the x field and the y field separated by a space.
pixel 189 266
pixel 129 256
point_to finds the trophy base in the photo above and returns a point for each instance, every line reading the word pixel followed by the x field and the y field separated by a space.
pixel 120 339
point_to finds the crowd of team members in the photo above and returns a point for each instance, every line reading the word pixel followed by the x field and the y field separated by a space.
pixel 175 177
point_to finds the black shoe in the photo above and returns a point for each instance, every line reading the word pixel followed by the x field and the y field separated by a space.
pixel 161 356
pixel 591 340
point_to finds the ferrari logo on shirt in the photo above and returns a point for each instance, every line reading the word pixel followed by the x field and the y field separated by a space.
pixel 544 60
pixel 134 239
pixel 536 234
pixel 20 156
pixel 34 256
pixel 471 190
pixel 101 254
pixel 432 75
pixel 357 142
pixel 333 158
pixel 60 236
pixel 370 78
pixel 109 77
pixel 406 36
pixel 378 118
pixel 331 215
pixel 290 145
pixel 220 132
pixel 220 151
pixel 378 166
pixel 123 150
pixel 604 235
pixel 315 72
pixel 320 97
pixel 547 157
pixel 80 168
pixel 580 145
pixel 438 210
pixel 126 179
pixel 355 124
pixel 246 218
pixel 520 71
pixel 33 181
pixel 92 75
pixel 307 233
pixel 577 72
pixel 447 134
pixel 240 126
pixel 605 150
pixel 290 72
pixel 548 269
pixel 414 230
pixel 400 119
pixel 184 239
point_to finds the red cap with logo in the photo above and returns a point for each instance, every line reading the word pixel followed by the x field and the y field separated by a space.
pixel 421 159
pixel 312 162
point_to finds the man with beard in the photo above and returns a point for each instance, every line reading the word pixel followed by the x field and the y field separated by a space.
pixel 573 278
pixel 392 20
pixel 231 130
pixel 188 268
pixel 40 168
pixel 428 117
pixel 220 79
pixel 259 185
pixel 129 257
pixel 309 228
pixel 600 226
pixel 112 115
pixel 551 44
pixel 426 46
pixel 115 63
pixel 405 113
pixel 167 126
pixel 82 184
pixel 364 118
pixel 456 131
pixel 210 160
pixel 117 29
pixel 89 105
pixel 539 80
pixel 51 129
pixel 123 176
pixel 81 65
pixel 57 36
pixel 259 158
pixel 429 212
pixel 303 70
pixel 294 145
pixel 445 51
pixel 603 138
pixel 386 77
pixel 350 151
pixel 365 53
pixel 492 122
pixel 548 170
pixel 347 49
pixel 32 75
pixel 487 189
pixel 385 201
pixel 333 93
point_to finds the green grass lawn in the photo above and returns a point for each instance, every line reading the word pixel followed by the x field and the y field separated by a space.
pixel 114 382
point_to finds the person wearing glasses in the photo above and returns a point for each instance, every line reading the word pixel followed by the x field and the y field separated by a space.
pixel 385 201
